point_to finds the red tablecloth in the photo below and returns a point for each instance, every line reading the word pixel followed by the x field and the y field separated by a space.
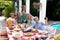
pixel 35 35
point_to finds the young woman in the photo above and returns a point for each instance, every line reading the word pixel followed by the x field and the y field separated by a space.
pixel 30 19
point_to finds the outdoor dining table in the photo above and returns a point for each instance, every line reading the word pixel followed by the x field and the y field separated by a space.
pixel 24 37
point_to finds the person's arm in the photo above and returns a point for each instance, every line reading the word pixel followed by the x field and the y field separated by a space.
pixel 42 23
pixel 32 27
pixel 6 24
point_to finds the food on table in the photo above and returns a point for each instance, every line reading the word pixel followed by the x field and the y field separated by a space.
pixel 35 30
pixel 42 32
pixel 28 34
pixel 17 29
pixel 14 31
pixel 21 26
pixel 17 35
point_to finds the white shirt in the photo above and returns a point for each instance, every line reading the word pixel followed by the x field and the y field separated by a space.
pixel 12 20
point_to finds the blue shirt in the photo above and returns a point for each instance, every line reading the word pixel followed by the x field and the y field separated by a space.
pixel 31 22
pixel 40 26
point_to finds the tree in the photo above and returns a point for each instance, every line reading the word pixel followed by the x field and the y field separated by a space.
pixel 8 7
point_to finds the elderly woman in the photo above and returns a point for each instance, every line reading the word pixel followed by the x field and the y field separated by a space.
pixel 46 20
pixel 30 19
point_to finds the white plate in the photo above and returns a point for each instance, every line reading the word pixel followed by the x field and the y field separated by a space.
pixel 41 31
pixel 17 34
pixel 28 28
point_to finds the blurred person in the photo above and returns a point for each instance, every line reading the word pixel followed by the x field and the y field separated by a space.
pixel 48 27
pixel 24 16
pixel 11 20
pixel 46 20
pixel 30 19
pixel 19 20
pixel 39 25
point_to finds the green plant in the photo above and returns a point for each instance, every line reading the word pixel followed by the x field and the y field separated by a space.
pixel 8 7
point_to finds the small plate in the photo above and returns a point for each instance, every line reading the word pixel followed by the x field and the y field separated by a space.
pixel 17 34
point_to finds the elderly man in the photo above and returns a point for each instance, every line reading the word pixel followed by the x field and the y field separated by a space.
pixel 39 25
